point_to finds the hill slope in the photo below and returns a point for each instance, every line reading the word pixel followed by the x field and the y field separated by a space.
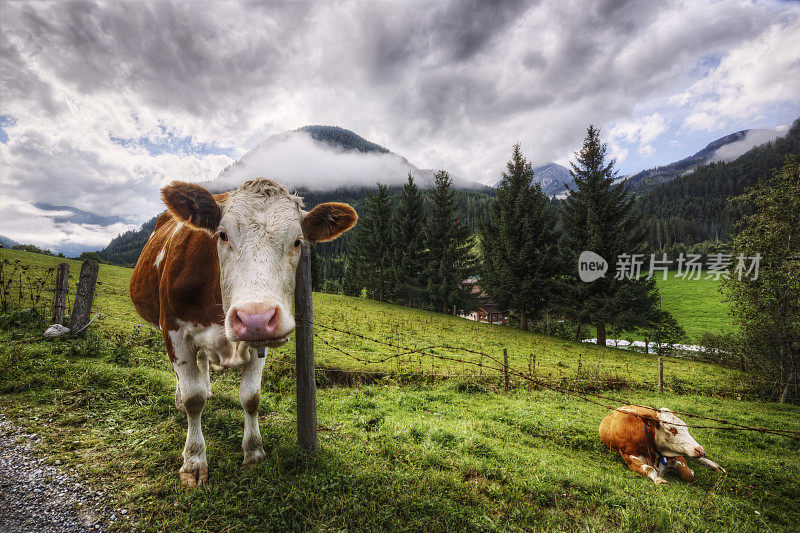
pixel 694 207
pixel 6 242
pixel 723 149
pixel 395 452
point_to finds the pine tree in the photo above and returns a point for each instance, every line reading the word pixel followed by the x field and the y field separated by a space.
pixel 370 255
pixel 602 218
pixel 449 248
pixel 520 245
pixel 409 246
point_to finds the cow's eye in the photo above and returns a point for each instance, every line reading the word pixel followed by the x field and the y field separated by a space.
pixel 297 243
pixel 674 431
pixel 223 236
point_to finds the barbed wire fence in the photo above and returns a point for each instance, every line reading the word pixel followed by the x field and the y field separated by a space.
pixel 29 287
pixel 495 364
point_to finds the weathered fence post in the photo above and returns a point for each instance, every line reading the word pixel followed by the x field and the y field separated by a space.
pixel 505 367
pixel 60 293
pixel 84 295
pixel 304 349
pixel 660 374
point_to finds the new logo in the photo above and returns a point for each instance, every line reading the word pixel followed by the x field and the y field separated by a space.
pixel 591 266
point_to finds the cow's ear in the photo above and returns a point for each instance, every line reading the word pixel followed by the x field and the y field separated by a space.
pixel 192 204
pixel 651 419
pixel 327 221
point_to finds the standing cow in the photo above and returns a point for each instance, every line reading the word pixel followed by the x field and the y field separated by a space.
pixel 652 441
pixel 217 277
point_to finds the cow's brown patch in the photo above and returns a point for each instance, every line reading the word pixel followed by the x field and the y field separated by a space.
pixel 251 404
pixel 194 404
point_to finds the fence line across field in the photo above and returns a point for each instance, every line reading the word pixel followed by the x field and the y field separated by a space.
pixel 504 368
pixel 304 352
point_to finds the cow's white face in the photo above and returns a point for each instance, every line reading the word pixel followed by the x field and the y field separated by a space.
pixel 258 245
pixel 672 436
pixel 258 229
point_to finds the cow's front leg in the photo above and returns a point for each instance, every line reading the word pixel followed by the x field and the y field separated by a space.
pixel 711 464
pixel 250 397
pixel 686 473
pixel 640 467
pixel 193 392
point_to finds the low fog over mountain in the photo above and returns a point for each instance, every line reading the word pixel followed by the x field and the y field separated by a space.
pixel 323 158
pixel 724 149
pixel 751 139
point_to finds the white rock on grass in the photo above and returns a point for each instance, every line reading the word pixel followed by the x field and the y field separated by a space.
pixel 55 330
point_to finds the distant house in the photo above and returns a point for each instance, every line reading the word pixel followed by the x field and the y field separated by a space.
pixel 487 310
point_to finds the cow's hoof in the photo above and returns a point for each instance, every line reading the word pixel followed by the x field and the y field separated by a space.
pixel 194 476
pixel 660 481
pixel 720 469
pixel 254 457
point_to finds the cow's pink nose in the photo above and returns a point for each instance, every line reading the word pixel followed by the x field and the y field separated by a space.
pixel 255 322
pixel 699 451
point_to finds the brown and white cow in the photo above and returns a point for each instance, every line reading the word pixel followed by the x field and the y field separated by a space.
pixel 651 442
pixel 217 277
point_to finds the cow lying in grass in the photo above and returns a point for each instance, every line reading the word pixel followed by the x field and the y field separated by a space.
pixel 651 442
pixel 218 276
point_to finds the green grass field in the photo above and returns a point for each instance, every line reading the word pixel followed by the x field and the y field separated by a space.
pixel 697 305
pixel 397 454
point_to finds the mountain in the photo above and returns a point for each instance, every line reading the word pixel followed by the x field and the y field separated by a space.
pixel 552 177
pixel 7 243
pixel 725 148
pixel 342 139
pixel 321 158
pixel 695 207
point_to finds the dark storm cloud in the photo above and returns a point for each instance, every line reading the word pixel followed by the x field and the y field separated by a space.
pixel 179 56
pixel 97 89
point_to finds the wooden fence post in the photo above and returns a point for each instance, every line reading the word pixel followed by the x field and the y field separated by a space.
pixel 84 295
pixel 660 374
pixel 505 367
pixel 304 349
pixel 60 293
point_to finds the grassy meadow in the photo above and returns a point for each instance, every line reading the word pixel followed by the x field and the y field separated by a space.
pixel 396 453
pixel 697 305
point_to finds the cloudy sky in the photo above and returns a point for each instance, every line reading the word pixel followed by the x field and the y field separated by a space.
pixel 102 103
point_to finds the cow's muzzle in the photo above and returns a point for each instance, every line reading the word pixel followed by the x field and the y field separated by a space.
pixel 259 325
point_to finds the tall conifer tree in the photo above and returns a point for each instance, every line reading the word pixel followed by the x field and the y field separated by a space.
pixel 519 244
pixel 449 248
pixel 370 255
pixel 601 217
pixel 409 246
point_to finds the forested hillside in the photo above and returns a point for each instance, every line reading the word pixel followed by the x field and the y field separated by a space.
pixel 694 207
pixel 124 249
pixel 652 177
pixel 343 139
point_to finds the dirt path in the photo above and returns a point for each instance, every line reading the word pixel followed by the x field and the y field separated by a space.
pixel 35 497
